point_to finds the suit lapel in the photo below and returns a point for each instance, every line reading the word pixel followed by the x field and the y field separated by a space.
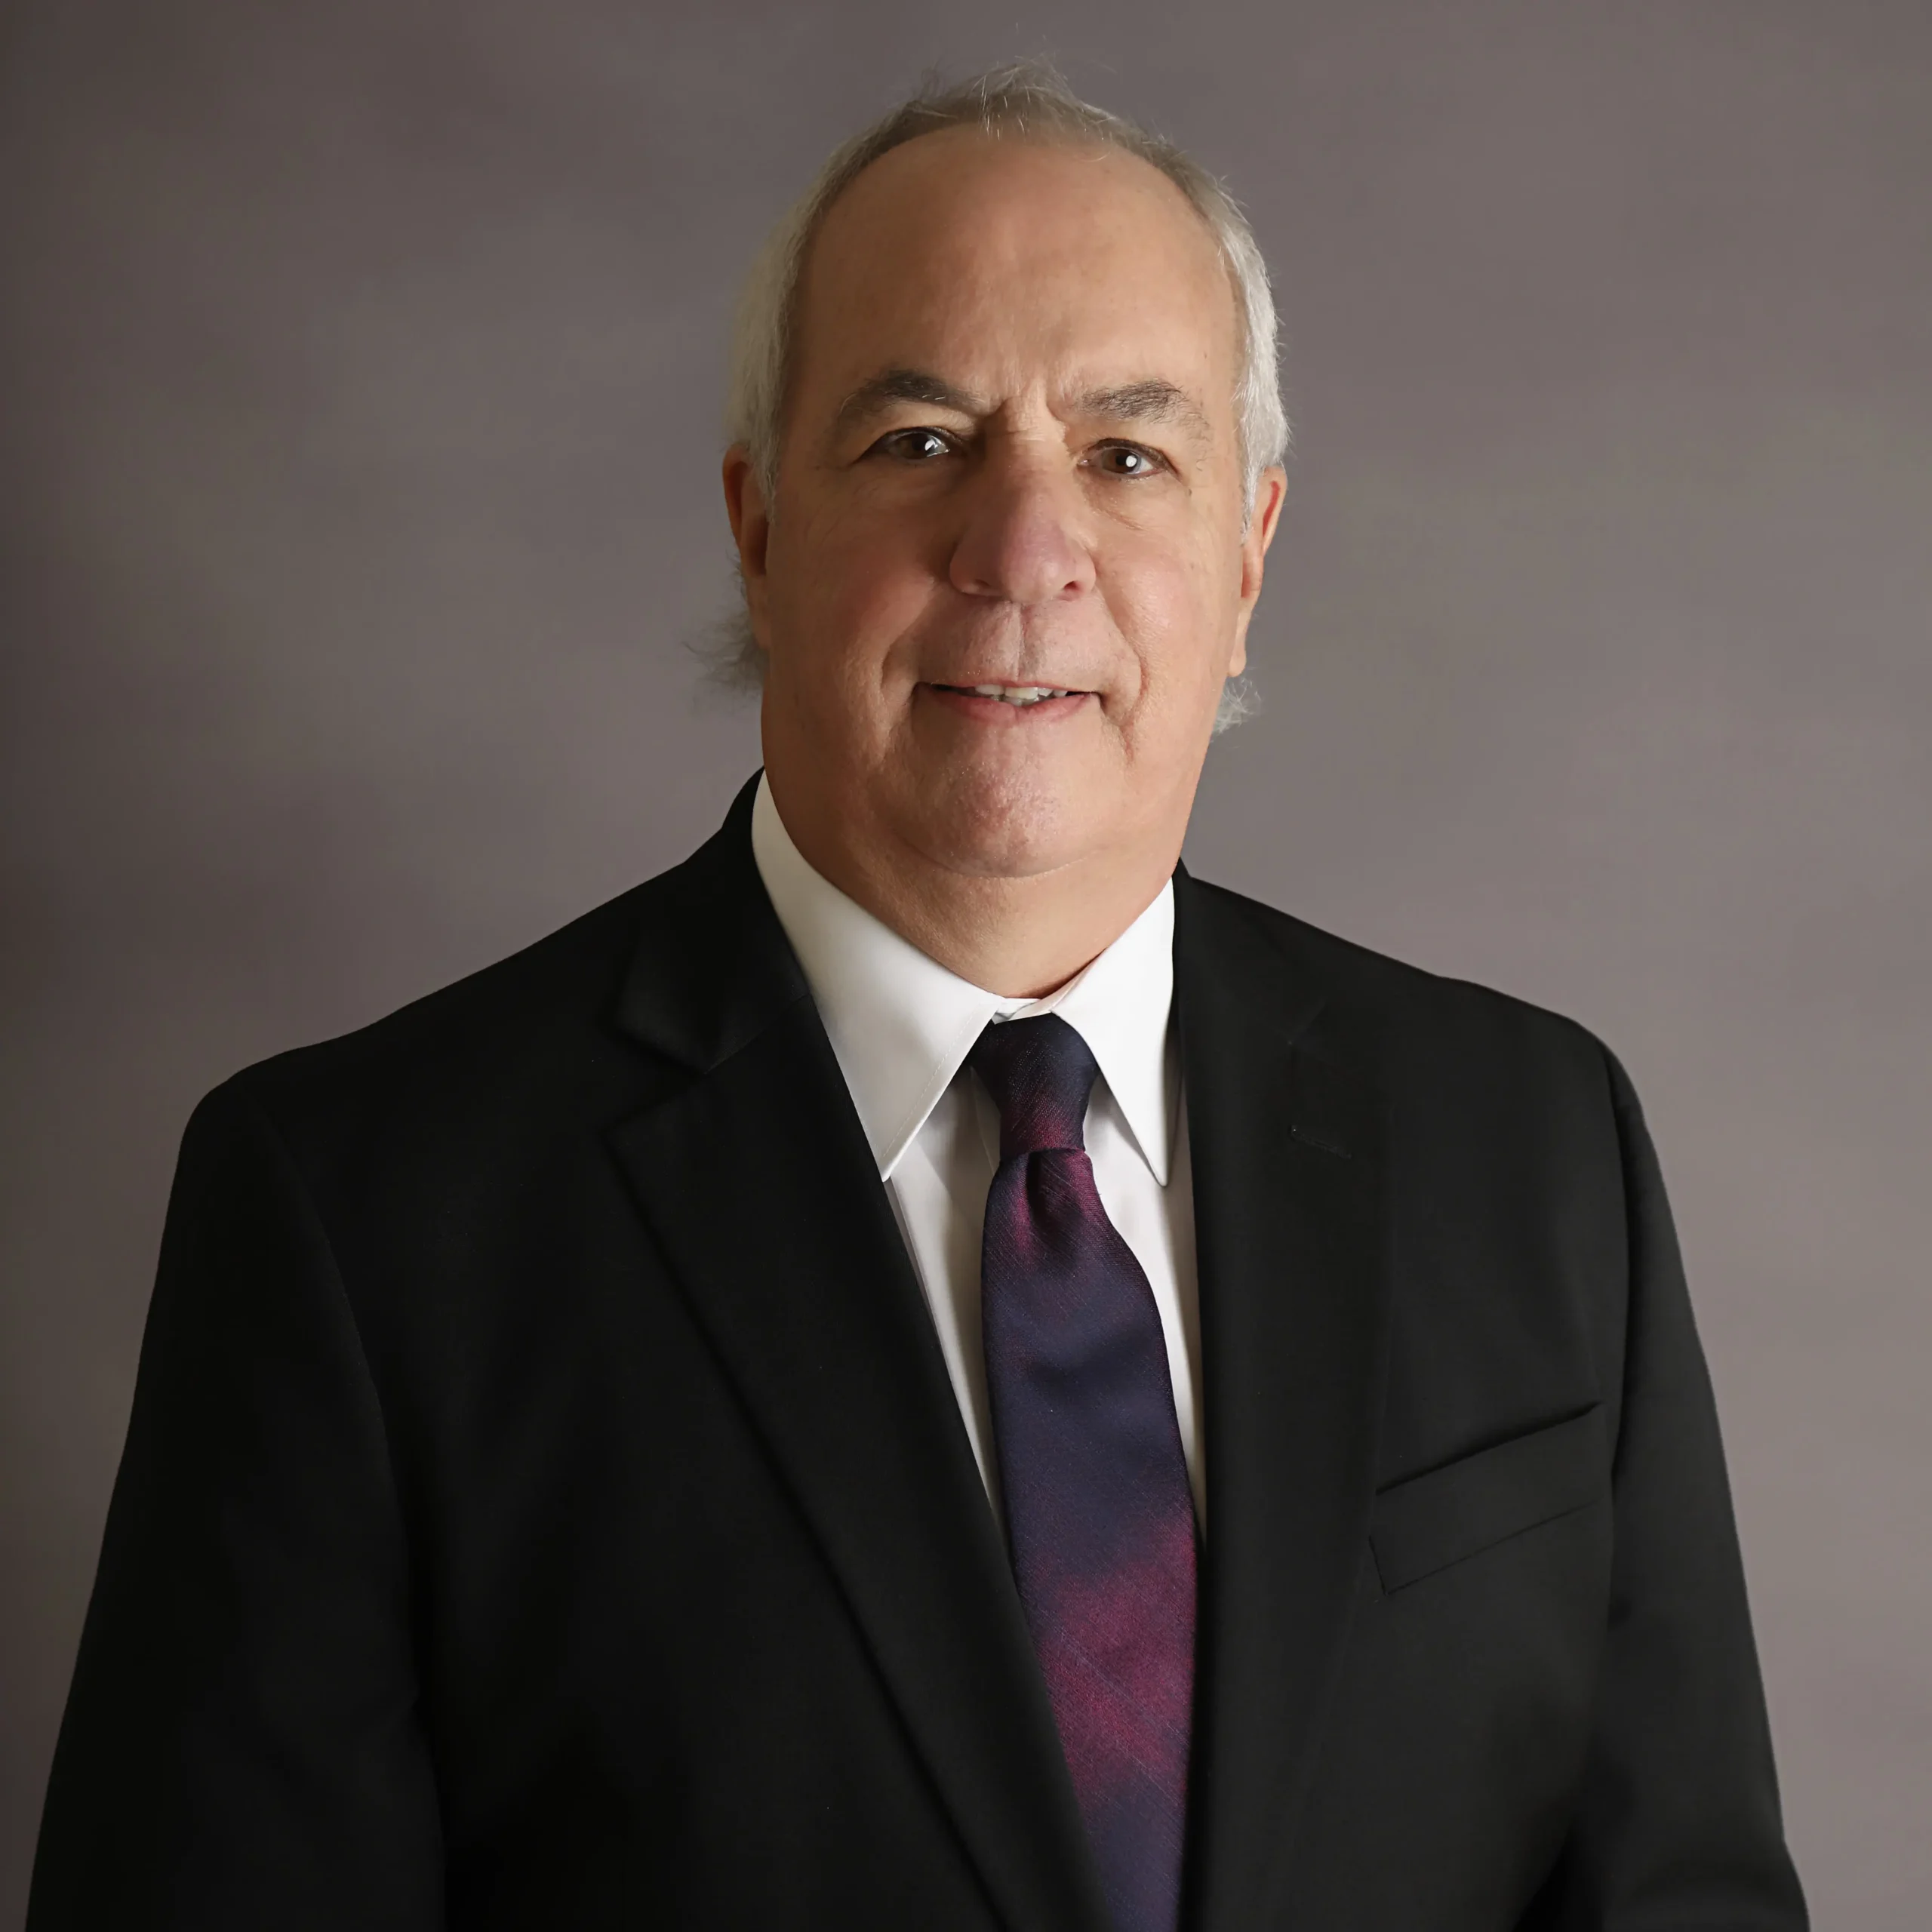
pixel 756 1181
pixel 1287 1156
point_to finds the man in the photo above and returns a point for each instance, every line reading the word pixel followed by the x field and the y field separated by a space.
pixel 926 1368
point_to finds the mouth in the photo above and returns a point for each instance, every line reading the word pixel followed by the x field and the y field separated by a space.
pixel 1000 703
pixel 1021 694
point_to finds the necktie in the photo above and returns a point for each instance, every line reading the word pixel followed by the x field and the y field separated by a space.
pixel 1099 1515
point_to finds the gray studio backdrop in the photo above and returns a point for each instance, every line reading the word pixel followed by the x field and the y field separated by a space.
pixel 358 447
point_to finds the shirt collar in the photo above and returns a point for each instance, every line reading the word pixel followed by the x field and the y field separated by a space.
pixel 902 1025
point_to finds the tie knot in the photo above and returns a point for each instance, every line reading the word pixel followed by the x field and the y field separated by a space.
pixel 1040 1073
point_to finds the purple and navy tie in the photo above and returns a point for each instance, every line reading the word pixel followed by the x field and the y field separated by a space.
pixel 1098 1512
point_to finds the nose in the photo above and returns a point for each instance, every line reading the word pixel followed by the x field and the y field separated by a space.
pixel 1022 540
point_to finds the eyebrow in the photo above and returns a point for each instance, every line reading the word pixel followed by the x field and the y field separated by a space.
pixel 892 386
pixel 1153 400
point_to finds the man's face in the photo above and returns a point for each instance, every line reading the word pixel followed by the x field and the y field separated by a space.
pixel 1009 460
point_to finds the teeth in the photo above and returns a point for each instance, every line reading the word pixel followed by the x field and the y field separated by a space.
pixel 1015 693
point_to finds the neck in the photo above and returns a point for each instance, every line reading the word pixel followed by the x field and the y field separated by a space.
pixel 1020 937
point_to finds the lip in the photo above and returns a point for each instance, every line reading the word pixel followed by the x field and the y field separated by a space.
pixel 997 712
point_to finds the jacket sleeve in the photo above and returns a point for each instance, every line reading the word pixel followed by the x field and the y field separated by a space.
pixel 241 1745
pixel 1677 1827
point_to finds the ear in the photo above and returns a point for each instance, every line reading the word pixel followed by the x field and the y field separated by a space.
pixel 751 531
pixel 1271 491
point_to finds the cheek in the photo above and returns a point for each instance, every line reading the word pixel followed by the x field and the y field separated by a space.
pixel 844 590
pixel 1175 612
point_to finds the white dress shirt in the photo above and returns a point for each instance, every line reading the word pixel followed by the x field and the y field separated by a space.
pixel 902 1025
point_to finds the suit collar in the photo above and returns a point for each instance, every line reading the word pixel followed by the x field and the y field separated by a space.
pixel 711 969
pixel 757 1180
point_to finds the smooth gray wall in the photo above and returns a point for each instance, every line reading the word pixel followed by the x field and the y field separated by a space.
pixel 357 446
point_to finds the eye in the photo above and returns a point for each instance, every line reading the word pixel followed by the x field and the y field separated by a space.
pixel 1127 460
pixel 914 445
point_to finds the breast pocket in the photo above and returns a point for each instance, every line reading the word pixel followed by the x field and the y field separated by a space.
pixel 1426 1524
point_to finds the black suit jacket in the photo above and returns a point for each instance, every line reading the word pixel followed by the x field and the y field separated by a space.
pixel 545 1504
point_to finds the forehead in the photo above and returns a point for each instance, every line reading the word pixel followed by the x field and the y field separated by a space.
pixel 1000 262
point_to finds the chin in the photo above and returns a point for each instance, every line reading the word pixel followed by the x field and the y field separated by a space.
pixel 1009 825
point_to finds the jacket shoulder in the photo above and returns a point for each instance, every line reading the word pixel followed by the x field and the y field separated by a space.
pixel 1404 1015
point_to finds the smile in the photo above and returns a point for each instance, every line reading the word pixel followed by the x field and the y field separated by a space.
pixel 1014 694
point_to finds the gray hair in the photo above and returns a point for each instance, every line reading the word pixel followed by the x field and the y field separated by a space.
pixel 1026 100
